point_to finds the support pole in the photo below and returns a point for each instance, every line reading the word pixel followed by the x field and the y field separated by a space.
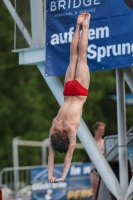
pixel 129 195
pixel 128 76
pixel 122 139
pixel 15 165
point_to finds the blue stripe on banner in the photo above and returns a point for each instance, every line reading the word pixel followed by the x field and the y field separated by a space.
pixel 110 34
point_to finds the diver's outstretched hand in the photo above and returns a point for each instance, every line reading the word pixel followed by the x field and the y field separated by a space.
pixel 52 179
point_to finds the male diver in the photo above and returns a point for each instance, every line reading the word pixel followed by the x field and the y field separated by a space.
pixel 62 137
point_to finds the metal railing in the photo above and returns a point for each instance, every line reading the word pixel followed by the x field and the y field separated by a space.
pixel 16 190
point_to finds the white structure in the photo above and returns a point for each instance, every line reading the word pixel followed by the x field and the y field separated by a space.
pixel 35 54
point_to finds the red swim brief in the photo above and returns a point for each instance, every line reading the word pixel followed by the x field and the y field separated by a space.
pixel 74 88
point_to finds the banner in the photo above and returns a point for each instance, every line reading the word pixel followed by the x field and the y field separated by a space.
pixel 110 34
pixel 75 186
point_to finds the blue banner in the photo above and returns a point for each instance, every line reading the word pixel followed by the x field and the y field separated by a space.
pixel 110 34
pixel 75 186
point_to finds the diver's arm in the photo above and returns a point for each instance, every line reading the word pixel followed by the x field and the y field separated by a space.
pixel 51 155
pixel 68 158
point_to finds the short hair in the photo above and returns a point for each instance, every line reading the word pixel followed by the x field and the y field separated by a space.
pixel 97 124
pixel 60 141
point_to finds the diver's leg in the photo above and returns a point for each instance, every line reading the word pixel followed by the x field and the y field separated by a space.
pixel 70 73
pixel 82 70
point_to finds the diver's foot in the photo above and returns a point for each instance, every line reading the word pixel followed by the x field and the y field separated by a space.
pixel 86 21
pixel 81 18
